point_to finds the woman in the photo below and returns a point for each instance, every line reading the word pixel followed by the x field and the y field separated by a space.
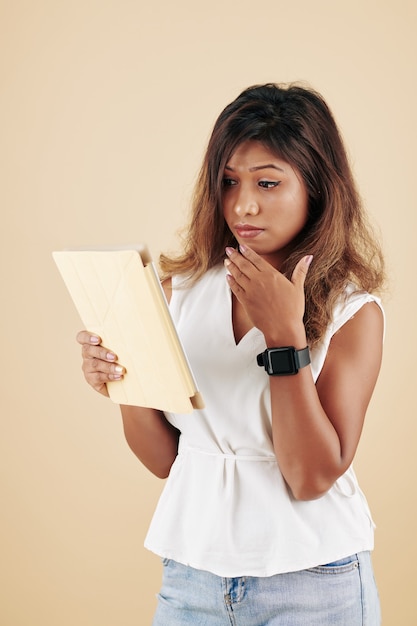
pixel 262 520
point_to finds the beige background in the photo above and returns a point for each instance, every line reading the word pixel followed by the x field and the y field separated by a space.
pixel 106 107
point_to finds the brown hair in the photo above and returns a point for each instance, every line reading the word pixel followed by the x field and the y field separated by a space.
pixel 296 124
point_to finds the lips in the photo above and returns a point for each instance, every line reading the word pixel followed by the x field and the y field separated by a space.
pixel 247 231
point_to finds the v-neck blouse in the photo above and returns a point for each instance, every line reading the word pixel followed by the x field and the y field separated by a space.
pixel 225 507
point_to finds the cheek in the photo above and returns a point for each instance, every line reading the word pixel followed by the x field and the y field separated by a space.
pixel 226 209
pixel 301 220
pixel 300 207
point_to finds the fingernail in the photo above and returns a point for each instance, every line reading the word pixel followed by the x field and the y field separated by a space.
pixel 242 247
pixel 227 262
pixel 110 356
pixel 308 259
pixel 118 368
pixel 94 339
pixel 229 251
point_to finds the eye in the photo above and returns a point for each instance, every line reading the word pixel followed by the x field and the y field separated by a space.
pixel 228 182
pixel 269 184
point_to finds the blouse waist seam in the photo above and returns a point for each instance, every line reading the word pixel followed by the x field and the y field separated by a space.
pixel 183 449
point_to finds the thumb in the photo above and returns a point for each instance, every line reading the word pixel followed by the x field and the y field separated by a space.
pixel 300 271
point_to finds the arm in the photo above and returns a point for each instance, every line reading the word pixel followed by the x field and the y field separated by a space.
pixel 316 428
pixel 149 435
pixel 151 438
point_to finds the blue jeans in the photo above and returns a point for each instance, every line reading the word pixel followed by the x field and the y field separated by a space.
pixel 342 593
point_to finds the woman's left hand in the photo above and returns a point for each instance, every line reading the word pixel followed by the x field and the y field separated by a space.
pixel 274 304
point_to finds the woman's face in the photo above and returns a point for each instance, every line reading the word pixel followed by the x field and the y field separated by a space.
pixel 265 201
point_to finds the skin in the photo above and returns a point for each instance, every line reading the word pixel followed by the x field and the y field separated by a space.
pixel 316 427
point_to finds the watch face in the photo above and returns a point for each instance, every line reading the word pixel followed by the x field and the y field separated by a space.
pixel 282 361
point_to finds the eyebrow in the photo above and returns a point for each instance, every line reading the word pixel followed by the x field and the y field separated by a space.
pixel 256 168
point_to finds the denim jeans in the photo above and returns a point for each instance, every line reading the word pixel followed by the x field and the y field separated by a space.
pixel 342 593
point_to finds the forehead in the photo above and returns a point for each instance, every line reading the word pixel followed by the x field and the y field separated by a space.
pixel 253 153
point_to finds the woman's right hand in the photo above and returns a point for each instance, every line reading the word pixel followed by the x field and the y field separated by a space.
pixel 99 365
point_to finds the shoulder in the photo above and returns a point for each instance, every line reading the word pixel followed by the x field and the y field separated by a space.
pixel 348 305
pixel 363 329
pixel 357 334
pixel 358 324
pixel 357 315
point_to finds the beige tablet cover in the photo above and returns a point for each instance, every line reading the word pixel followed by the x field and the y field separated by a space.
pixel 118 295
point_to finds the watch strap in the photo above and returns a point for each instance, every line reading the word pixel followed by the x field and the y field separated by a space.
pixel 303 357
pixel 283 361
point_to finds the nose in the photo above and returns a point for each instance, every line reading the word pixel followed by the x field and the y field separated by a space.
pixel 246 204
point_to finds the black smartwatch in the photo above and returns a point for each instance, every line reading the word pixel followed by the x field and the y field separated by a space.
pixel 283 361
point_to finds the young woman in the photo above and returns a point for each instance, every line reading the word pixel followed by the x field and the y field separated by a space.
pixel 262 521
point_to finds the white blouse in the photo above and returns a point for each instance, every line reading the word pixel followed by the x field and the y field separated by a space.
pixel 225 507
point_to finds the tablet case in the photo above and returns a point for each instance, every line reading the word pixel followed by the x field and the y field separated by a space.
pixel 118 295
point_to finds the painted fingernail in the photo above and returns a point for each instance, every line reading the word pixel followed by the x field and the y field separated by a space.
pixel 227 262
pixel 110 356
pixel 118 368
pixel 242 247
pixel 308 259
pixel 229 251
pixel 94 339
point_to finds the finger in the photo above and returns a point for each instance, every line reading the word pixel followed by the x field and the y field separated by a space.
pixel 84 336
pixel 300 271
pixel 106 371
pixel 235 286
pixel 98 380
pixel 242 269
pixel 98 352
pixel 247 262
pixel 251 256
pixel 235 275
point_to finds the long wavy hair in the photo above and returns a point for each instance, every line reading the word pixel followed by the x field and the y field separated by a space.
pixel 295 124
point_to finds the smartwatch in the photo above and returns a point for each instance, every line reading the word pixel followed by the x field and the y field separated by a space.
pixel 283 361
